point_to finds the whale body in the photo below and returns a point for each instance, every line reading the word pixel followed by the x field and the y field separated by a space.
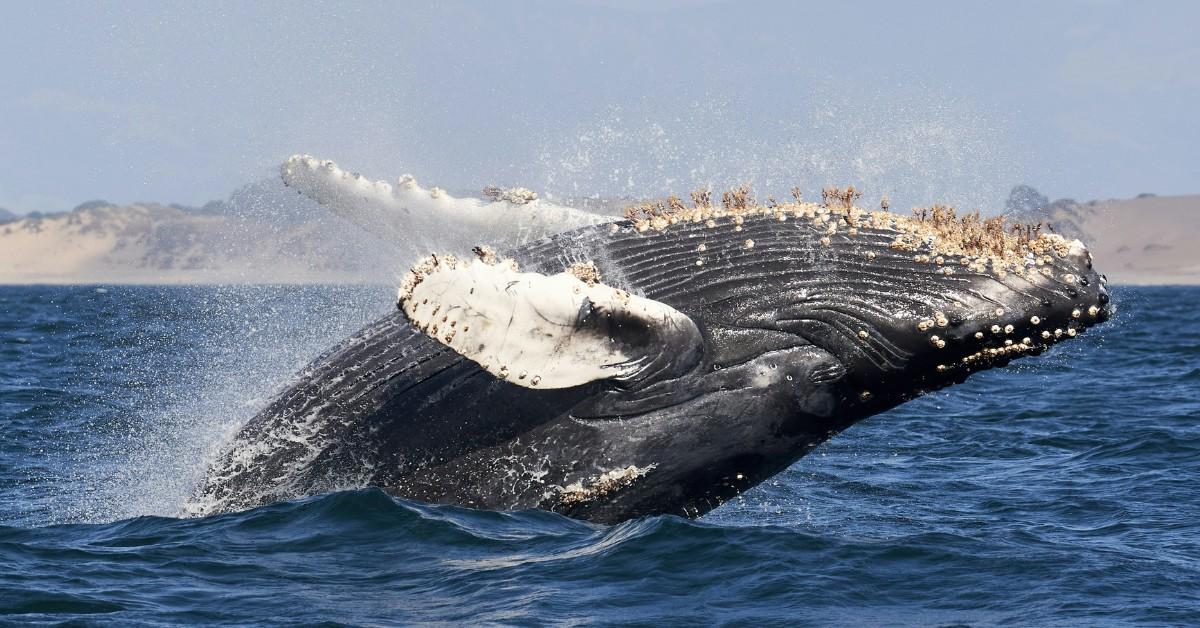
pixel 661 364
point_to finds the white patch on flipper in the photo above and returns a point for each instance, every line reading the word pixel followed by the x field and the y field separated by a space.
pixel 526 328
pixel 404 210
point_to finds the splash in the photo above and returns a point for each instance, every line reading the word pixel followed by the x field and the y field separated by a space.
pixel 916 146
pixel 188 367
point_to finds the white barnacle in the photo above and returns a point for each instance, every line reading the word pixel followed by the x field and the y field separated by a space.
pixel 979 335
pixel 1093 311
pixel 1046 335
pixel 1035 320
pixel 999 311
pixel 1075 313
pixel 996 329
pixel 748 243
pixel 863 334
pixel 825 241
pixel 1069 278
pixel 701 248
pixel 870 254
pixel 1008 329
pixel 1071 332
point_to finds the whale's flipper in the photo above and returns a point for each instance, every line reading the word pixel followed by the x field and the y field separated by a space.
pixel 548 331
pixel 406 211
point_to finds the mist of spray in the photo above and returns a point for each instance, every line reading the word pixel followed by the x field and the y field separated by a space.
pixel 916 148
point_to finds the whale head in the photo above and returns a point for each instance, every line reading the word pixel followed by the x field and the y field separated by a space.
pixel 814 317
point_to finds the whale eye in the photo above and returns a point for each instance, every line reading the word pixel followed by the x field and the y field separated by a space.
pixel 585 310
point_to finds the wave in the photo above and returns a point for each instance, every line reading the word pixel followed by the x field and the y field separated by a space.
pixel 365 557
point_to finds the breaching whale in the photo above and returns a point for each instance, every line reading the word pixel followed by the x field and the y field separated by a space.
pixel 663 363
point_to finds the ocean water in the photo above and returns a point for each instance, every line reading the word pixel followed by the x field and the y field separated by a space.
pixel 1063 490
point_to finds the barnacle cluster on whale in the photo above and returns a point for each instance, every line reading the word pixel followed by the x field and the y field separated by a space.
pixel 663 363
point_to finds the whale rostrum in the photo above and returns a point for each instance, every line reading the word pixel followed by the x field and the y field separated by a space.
pixel 660 364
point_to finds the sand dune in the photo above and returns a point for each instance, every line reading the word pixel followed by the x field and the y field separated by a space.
pixel 268 237
pixel 149 243
pixel 1146 240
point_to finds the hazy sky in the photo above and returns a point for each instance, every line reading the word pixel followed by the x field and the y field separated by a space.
pixel 931 101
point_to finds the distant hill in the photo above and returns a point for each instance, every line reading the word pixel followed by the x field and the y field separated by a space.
pixel 1146 240
pixel 266 233
pixel 262 234
pixel 6 216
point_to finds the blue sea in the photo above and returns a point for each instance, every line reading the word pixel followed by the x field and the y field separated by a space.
pixel 1063 490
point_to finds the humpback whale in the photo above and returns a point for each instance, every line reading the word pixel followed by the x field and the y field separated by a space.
pixel 658 364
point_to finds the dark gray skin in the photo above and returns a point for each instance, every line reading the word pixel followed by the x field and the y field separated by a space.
pixel 781 368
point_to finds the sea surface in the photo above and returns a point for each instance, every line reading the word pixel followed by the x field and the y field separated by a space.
pixel 1063 490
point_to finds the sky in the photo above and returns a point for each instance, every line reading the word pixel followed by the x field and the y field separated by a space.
pixel 921 101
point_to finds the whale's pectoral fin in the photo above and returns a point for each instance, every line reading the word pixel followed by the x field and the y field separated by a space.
pixel 395 212
pixel 548 331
